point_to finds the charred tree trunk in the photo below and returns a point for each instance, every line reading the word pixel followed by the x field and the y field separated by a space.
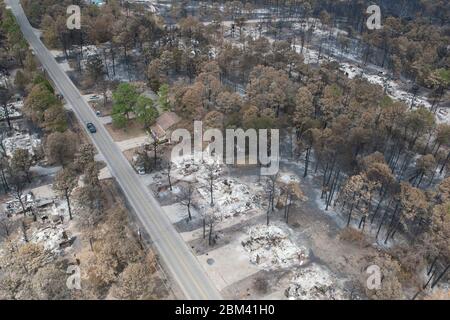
pixel 333 189
pixel 24 232
pixel 432 265
pixel 382 219
pixel 7 117
pixel 168 177
pixel 66 194
pixel 435 282
pixel 204 228
pixel 308 153
pixel 378 207
pixel 210 232
pixel 445 163
pixel 350 214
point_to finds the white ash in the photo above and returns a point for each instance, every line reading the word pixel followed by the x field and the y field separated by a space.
pixel 14 110
pixel 392 87
pixel 20 140
pixel 314 283
pixel 13 206
pixel 270 248
pixel 230 197
pixel 50 237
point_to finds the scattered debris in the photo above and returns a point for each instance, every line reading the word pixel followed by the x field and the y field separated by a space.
pixel 230 198
pixel 185 168
pixel 314 283
pixel 52 237
pixel 35 199
pixel 270 247
pixel 14 111
pixel 21 140
pixel 13 206
pixel 392 87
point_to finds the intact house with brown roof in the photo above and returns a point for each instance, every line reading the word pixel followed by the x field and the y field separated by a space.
pixel 165 121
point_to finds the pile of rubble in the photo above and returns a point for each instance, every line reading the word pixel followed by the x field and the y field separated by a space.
pixel 49 230
pixel 14 111
pixel 314 283
pixel 230 197
pixel 185 168
pixel 52 237
pixel 20 140
pixel 14 207
pixel 4 80
pixel 270 247
pixel 32 202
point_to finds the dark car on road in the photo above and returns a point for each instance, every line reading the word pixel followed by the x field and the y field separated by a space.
pixel 91 128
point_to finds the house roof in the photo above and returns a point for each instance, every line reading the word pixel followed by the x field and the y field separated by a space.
pixel 167 120
pixel 158 131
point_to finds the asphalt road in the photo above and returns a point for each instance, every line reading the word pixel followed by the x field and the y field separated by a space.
pixel 176 256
